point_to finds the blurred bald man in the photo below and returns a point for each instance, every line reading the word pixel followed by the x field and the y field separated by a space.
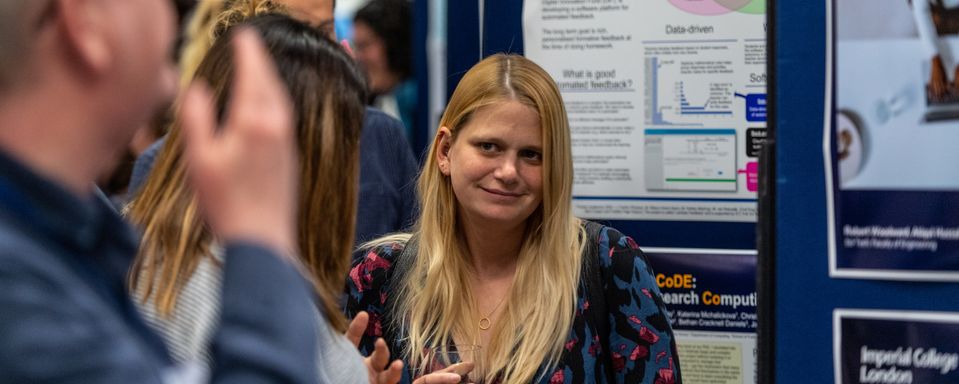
pixel 77 77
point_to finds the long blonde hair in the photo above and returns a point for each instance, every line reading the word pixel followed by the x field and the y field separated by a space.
pixel 435 301
pixel 328 91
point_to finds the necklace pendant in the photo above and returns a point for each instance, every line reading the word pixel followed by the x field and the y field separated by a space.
pixel 485 323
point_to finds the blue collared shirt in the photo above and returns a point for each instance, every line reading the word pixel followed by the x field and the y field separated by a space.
pixel 65 316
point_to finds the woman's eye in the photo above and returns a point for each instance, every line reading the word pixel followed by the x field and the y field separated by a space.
pixel 531 155
pixel 487 147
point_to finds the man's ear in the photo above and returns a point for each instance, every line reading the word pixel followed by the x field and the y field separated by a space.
pixel 444 140
pixel 86 29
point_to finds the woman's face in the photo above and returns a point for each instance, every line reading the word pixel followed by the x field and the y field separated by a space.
pixel 370 52
pixel 495 165
pixel 317 13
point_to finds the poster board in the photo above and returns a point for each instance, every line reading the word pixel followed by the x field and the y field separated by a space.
pixel 666 101
pixel 888 145
pixel 710 295
pixel 804 295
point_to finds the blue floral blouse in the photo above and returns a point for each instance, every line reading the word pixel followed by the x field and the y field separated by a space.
pixel 643 349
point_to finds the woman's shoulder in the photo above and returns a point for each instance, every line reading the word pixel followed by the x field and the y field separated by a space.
pixel 385 250
pixel 374 268
pixel 606 237
pixel 618 254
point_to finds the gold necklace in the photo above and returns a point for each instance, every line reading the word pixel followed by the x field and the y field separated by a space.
pixel 485 323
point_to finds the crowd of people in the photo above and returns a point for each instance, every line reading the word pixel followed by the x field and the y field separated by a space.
pixel 281 230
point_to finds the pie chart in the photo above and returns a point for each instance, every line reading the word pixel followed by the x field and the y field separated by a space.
pixel 720 7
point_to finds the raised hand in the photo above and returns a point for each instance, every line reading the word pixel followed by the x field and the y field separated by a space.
pixel 376 363
pixel 449 375
pixel 938 88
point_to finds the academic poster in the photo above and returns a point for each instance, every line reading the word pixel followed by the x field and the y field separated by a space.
pixel 710 296
pixel 666 101
pixel 891 139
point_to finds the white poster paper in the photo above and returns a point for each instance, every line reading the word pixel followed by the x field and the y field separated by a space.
pixel 666 101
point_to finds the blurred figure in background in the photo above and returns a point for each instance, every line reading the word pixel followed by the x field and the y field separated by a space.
pixel 77 78
pixel 212 17
pixel 115 183
pixel 382 35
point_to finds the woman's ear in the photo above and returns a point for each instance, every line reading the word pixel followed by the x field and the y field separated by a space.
pixel 444 140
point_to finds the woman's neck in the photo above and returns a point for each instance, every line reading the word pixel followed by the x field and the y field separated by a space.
pixel 493 252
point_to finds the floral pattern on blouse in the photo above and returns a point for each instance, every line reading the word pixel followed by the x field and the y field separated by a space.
pixel 642 347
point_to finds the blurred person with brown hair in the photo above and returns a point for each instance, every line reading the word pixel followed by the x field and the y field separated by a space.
pixel 382 35
pixel 177 274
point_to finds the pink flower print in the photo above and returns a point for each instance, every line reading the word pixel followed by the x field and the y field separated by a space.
pixel 662 355
pixel 619 362
pixel 665 376
pixel 375 326
pixel 639 352
pixel 594 346
pixel 648 336
pixel 355 277
pixel 635 319
pixel 570 344
pixel 362 274
pixel 559 377
pixel 647 293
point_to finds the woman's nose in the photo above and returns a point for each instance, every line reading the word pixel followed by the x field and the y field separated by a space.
pixel 506 169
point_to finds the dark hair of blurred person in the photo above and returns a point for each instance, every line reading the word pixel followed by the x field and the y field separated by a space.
pixel 327 92
pixel 382 38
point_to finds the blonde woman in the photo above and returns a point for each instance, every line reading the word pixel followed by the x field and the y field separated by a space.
pixel 497 259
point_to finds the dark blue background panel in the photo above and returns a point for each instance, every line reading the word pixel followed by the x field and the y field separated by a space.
pixel 805 296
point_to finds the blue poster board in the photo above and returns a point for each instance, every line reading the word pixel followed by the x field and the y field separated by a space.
pixel 801 294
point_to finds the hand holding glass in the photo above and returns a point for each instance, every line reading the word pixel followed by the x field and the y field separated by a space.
pixel 461 359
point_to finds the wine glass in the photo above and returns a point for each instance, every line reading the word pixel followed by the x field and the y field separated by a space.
pixel 442 357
